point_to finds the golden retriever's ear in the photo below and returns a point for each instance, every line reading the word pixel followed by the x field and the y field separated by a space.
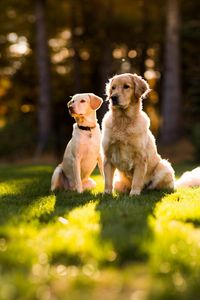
pixel 95 101
pixel 141 86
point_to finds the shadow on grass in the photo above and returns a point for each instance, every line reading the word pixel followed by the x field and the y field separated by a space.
pixel 124 223
pixel 123 220
pixel 65 202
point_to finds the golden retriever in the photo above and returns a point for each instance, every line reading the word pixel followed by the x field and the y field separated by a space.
pixel 83 150
pixel 127 142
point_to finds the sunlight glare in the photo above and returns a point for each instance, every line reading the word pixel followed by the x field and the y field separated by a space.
pixel 2 123
pixel 132 53
pixel 61 55
pixel 19 49
pixel 66 34
pixel 26 108
pixel 150 74
pixel 149 63
pixel 84 54
pixel 57 43
pixel 119 52
pixel 12 37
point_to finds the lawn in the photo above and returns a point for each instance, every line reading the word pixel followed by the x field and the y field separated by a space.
pixel 91 246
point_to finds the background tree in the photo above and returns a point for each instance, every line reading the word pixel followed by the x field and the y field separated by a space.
pixel 44 96
pixel 171 106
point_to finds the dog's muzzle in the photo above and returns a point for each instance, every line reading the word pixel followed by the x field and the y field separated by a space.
pixel 114 100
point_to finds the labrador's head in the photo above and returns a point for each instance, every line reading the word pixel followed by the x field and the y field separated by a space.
pixel 83 104
pixel 124 89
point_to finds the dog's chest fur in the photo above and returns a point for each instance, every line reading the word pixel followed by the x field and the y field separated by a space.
pixel 125 144
pixel 88 141
pixel 125 141
pixel 122 157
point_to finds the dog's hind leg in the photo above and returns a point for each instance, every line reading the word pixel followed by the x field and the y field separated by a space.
pixel 59 180
pixel 163 177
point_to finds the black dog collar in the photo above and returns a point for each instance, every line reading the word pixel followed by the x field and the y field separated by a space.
pixel 87 128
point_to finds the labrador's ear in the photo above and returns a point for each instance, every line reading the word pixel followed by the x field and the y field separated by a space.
pixel 95 101
pixel 141 87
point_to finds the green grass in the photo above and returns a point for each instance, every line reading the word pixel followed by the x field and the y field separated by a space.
pixel 91 246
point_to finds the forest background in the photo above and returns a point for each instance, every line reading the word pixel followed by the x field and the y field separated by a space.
pixel 50 50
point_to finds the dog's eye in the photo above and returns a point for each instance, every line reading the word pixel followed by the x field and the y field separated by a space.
pixel 113 87
pixel 126 86
pixel 82 101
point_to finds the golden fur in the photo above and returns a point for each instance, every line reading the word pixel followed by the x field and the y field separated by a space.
pixel 127 142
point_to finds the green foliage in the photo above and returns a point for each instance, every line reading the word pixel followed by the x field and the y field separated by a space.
pixel 83 246
pixel 190 63
pixel 18 138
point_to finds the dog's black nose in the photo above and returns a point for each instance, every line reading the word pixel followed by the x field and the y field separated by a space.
pixel 114 99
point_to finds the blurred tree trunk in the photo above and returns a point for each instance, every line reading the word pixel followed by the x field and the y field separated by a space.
pixel 171 106
pixel 105 73
pixel 44 97
pixel 75 41
pixel 102 64
pixel 145 36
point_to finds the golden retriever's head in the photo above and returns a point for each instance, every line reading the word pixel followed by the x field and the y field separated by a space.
pixel 83 104
pixel 124 89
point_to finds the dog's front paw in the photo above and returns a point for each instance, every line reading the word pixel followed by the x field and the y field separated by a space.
pixel 107 191
pixel 135 192
pixel 79 190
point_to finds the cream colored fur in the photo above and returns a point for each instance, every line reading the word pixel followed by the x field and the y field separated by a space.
pixel 83 150
pixel 127 142
pixel 189 179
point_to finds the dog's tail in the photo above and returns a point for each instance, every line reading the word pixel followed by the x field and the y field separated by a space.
pixel 58 180
pixel 189 179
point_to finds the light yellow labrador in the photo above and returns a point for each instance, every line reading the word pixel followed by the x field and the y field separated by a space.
pixel 127 142
pixel 83 151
